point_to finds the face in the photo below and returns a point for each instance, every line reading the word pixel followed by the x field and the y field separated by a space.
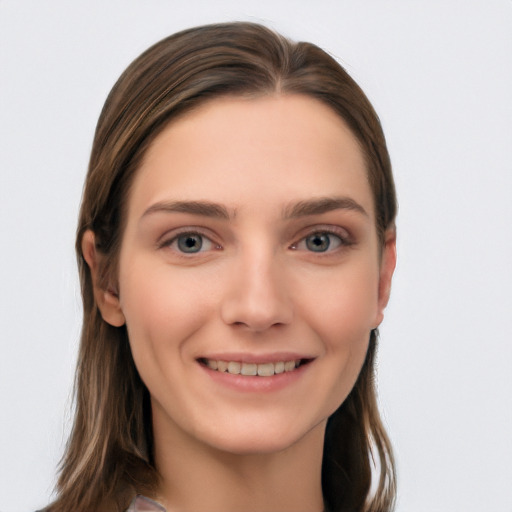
pixel 250 275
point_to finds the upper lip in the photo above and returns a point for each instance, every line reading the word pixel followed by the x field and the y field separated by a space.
pixel 257 358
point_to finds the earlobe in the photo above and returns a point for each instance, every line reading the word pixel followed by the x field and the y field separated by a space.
pixel 107 298
pixel 387 267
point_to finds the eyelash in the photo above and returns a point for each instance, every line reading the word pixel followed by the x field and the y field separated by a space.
pixel 342 238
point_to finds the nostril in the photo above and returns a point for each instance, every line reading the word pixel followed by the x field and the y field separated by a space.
pixel 253 326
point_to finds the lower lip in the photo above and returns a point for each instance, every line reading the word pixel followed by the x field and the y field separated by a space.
pixel 255 384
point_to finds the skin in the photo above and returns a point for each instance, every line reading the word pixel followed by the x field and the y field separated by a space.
pixel 256 289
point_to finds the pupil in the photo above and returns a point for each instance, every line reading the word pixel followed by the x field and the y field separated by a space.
pixel 190 243
pixel 318 243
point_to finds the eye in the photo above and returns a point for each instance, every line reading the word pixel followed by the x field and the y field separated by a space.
pixel 320 242
pixel 190 243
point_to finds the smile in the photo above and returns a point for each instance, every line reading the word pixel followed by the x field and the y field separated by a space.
pixel 253 369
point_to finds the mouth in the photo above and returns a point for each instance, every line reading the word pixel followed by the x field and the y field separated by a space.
pixel 267 369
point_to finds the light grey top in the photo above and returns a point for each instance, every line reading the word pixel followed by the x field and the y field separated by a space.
pixel 142 504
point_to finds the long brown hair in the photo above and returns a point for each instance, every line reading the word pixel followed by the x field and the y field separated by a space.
pixel 109 455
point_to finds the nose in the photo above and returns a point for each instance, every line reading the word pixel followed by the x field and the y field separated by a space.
pixel 257 296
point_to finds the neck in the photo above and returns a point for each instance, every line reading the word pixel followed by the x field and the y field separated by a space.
pixel 195 476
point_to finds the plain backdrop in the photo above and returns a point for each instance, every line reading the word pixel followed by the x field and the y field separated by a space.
pixel 439 74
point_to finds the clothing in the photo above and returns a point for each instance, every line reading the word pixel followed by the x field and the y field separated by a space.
pixel 143 504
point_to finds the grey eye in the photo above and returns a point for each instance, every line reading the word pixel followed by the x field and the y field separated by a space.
pixel 190 242
pixel 318 242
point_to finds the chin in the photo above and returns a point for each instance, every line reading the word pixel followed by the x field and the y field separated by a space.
pixel 257 440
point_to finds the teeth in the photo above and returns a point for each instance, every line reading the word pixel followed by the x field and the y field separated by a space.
pixel 279 367
pixel 234 368
pixel 222 366
pixel 251 369
pixel 289 366
pixel 266 369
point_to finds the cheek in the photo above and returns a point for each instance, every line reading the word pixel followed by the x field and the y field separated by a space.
pixel 342 317
pixel 162 309
pixel 344 311
pixel 345 330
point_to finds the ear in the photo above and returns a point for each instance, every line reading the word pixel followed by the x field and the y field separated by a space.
pixel 107 300
pixel 387 267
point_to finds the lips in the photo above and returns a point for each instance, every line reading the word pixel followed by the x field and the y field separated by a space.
pixel 251 369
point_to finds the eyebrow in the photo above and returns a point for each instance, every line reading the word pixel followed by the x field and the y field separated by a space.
pixel 322 205
pixel 304 208
pixel 203 208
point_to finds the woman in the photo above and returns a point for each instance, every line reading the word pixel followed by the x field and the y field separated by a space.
pixel 236 245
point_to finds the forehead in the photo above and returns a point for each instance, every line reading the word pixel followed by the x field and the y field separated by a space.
pixel 234 149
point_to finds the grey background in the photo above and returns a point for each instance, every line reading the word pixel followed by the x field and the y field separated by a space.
pixel 439 74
